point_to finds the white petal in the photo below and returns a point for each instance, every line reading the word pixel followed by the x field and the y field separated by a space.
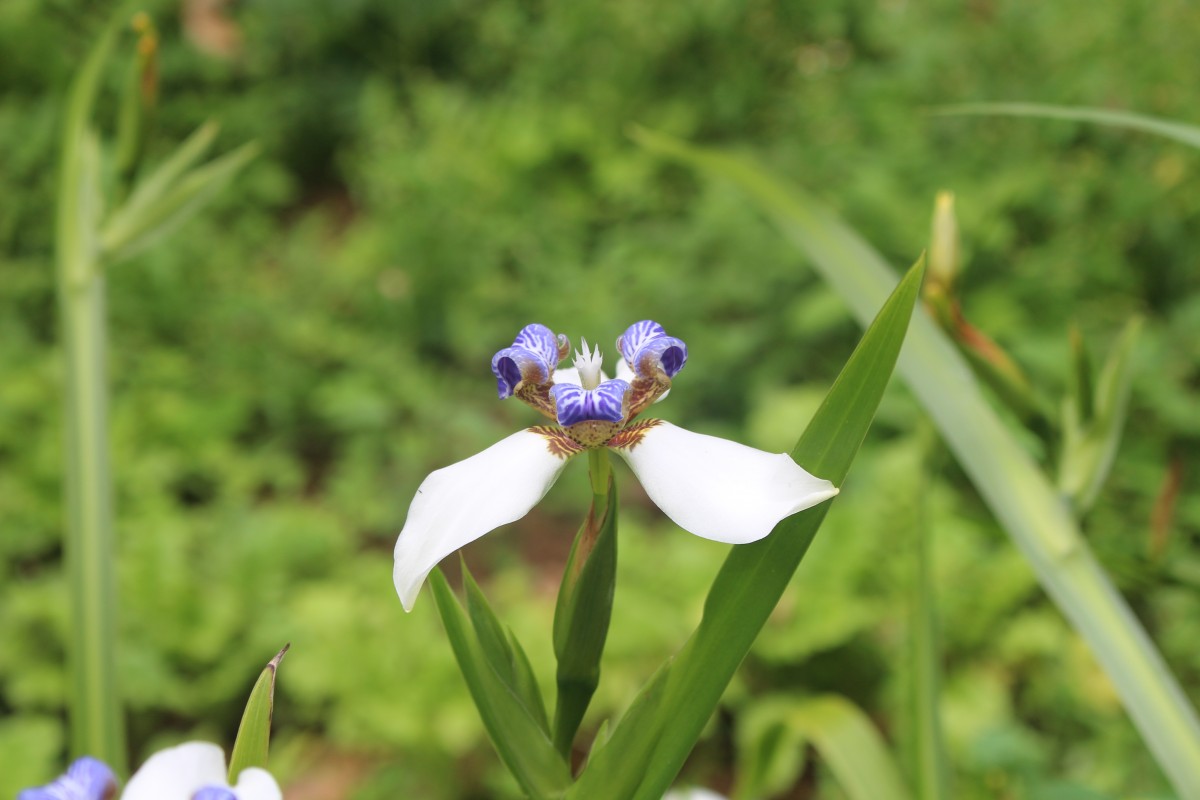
pixel 719 489
pixel 692 794
pixel 177 773
pixel 571 375
pixel 457 504
pixel 257 784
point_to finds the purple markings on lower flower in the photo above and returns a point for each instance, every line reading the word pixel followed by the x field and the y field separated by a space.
pixel 86 779
pixel 214 793
pixel 605 403
pixel 532 357
pixel 647 347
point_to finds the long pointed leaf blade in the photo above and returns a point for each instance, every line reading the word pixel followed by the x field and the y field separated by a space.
pixel 253 741
pixel 929 766
pixel 855 752
pixel 1090 445
pixel 517 737
pixel 128 234
pixel 1170 129
pixel 1018 493
pixel 753 576
pixel 503 652
pixel 152 188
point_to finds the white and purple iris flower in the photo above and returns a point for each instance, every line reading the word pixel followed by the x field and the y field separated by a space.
pixel 192 771
pixel 711 487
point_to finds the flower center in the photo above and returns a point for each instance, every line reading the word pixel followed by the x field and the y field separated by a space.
pixel 588 363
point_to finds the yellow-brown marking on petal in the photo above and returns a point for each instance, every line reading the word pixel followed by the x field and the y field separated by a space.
pixel 557 441
pixel 592 432
pixel 537 395
pixel 630 437
pixel 644 391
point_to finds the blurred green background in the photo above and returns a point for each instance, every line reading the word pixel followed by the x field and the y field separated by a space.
pixel 436 174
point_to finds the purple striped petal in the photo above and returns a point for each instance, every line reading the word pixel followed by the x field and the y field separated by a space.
pixel 575 404
pixel 214 793
pixel 86 779
pixel 647 347
pixel 533 356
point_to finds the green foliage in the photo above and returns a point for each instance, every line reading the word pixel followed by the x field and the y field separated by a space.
pixel 253 741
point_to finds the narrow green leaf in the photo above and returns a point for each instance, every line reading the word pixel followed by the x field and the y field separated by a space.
pixel 503 652
pixel 751 580
pixel 1090 447
pixel 845 739
pixel 771 754
pixel 582 614
pixel 525 683
pixel 135 118
pixel 1081 370
pixel 97 724
pixel 1170 129
pixel 929 766
pixel 521 742
pixel 254 733
pixel 152 187
pixel 1018 493
pixel 139 225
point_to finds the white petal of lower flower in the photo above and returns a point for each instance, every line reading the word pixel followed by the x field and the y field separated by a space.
pixel 719 489
pixel 692 794
pixel 457 504
pixel 177 773
pixel 257 784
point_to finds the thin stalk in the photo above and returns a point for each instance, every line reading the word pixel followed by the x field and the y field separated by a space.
pixel 97 728
pixel 598 471
pixel 929 760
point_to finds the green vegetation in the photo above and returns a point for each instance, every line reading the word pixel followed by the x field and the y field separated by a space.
pixel 289 364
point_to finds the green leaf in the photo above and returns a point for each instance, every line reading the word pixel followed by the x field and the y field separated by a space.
pixel 843 737
pixel 503 652
pixel 1016 490
pixel 924 650
pixel 152 188
pixel 1082 388
pixel 650 745
pixel 97 722
pixel 582 614
pixel 141 222
pixel 254 733
pixel 1090 447
pixel 521 742
pixel 1170 129
pixel 771 755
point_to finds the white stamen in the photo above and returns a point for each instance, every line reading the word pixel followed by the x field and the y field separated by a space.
pixel 588 363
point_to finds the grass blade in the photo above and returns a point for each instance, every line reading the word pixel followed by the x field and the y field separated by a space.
pixel 1019 494
pixel 253 741
pixel 1170 129
pixel 929 767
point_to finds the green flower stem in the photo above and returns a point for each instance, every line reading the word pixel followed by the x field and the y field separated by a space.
pixel 598 471
pixel 584 607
